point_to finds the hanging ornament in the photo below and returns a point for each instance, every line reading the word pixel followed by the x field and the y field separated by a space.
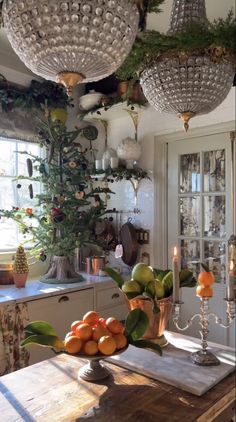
pixel 57 214
pixel 71 41
pixel 192 83
pixel 79 194
pixel 72 164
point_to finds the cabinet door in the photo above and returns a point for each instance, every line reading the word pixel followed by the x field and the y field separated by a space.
pixel 59 311
pixel 111 302
pixel 199 192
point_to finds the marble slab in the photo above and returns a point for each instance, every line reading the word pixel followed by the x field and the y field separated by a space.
pixel 175 367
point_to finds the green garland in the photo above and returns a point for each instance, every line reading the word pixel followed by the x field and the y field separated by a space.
pixel 37 95
pixel 215 39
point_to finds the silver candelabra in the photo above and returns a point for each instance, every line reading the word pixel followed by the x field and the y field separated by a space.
pixel 204 357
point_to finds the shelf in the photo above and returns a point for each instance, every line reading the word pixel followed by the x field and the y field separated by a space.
pixel 116 111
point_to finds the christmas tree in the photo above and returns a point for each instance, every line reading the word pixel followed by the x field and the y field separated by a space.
pixel 20 264
pixel 68 205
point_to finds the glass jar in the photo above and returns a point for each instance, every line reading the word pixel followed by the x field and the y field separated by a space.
pixel 6 273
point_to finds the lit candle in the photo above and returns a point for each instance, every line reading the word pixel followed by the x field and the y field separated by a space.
pixel 175 270
pixel 230 284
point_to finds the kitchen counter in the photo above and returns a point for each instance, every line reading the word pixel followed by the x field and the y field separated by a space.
pixel 34 289
pixel 50 391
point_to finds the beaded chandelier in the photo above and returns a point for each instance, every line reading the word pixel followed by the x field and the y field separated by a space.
pixel 188 84
pixel 70 41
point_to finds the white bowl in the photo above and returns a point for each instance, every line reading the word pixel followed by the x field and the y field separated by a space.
pixel 88 101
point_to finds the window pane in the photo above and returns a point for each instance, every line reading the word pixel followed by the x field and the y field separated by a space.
pixel 190 216
pixel 7 158
pixel 214 216
pixel 214 171
pixel 190 255
pixel 12 164
pixel 189 173
pixel 215 257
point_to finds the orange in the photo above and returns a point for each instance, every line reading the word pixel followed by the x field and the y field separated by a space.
pixel 91 318
pixel 204 291
pixel 121 341
pixel 90 348
pixel 114 326
pixel 69 334
pixel 75 324
pixel 84 332
pixel 206 278
pixel 102 321
pixel 99 331
pixel 73 344
pixel 106 345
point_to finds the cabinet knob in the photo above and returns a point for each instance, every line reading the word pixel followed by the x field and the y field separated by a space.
pixel 115 296
pixel 63 299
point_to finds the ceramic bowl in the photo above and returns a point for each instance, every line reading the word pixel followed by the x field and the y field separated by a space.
pixel 90 100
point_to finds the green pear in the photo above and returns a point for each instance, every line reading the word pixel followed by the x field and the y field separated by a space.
pixel 131 286
pixel 142 273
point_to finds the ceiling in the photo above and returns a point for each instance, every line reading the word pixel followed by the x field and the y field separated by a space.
pixel 160 22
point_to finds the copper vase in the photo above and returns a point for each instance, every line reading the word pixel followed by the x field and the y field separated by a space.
pixel 157 322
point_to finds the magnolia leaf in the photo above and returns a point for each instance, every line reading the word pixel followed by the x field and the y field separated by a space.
pixel 186 278
pixel 43 340
pixel 132 295
pixel 147 344
pixel 136 324
pixel 115 276
pixel 40 327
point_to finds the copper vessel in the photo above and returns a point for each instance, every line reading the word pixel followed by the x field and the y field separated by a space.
pixel 157 322
pixel 94 264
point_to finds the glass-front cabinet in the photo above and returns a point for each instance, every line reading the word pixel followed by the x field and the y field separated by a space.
pixel 201 210
pixel 200 219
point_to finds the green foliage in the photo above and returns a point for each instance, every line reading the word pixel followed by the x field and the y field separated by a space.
pixel 67 209
pixel 42 333
pixel 195 37
pixel 38 95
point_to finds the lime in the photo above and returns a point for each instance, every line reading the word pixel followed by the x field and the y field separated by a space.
pixel 131 286
pixel 156 289
pixel 142 273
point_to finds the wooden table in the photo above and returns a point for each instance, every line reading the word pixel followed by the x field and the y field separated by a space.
pixel 50 392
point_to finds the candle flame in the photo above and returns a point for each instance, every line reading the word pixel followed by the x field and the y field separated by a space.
pixel 175 251
pixel 231 265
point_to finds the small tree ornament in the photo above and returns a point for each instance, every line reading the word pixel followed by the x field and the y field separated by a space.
pixel 21 267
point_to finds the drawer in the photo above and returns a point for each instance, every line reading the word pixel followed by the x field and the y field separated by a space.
pixel 107 298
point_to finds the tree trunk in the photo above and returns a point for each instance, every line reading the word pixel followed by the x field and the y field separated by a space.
pixel 61 271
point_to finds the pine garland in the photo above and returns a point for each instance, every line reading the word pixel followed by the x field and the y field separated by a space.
pixel 197 37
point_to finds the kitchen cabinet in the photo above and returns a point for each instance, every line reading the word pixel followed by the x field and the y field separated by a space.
pixel 111 302
pixel 59 311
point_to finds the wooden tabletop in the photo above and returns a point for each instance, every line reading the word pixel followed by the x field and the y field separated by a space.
pixel 50 392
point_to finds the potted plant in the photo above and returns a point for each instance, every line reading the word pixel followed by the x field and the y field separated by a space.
pixel 150 289
pixel 21 267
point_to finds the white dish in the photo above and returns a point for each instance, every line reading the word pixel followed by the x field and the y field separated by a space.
pixel 88 101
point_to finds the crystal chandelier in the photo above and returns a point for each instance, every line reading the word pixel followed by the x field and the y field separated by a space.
pixel 70 41
pixel 187 84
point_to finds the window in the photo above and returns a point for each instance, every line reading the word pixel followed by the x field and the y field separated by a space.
pixel 12 164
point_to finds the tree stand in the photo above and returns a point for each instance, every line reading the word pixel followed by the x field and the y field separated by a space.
pixel 61 272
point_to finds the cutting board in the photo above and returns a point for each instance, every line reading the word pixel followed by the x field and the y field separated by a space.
pixel 175 367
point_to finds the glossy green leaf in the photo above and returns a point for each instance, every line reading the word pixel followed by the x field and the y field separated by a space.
pixel 43 340
pixel 132 295
pixel 114 275
pixel 40 327
pixel 136 324
pixel 147 344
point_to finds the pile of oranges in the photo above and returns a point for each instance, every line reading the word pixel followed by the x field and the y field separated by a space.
pixel 205 280
pixel 94 335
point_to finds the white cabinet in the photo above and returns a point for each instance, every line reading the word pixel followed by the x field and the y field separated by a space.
pixel 110 302
pixel 60 311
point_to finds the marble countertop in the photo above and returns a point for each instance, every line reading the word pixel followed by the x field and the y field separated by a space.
pixel 34 289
